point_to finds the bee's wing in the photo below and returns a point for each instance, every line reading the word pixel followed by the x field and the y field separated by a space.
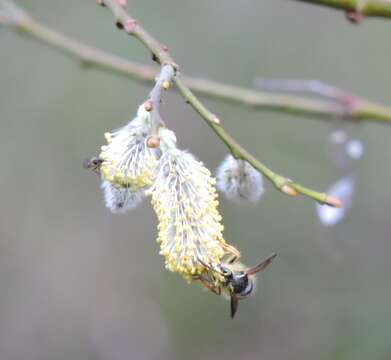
pixel 234 304
pixel 261 266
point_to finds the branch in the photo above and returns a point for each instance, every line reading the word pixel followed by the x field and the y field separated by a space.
pixel 280 182
pixel 309 87
pixel 161 55
pixel 163 82
pixel 92 57
pixel 21 21
pixel 357 9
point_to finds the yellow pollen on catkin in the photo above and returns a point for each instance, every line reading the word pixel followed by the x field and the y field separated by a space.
pixel 126 159
pixel 184 199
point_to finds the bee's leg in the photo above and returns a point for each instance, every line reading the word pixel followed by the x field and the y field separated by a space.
pixel 218 291
pixel 207 284
pixel 233 253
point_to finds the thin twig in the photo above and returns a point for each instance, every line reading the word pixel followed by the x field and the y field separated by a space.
pixel 163 82
pixel 308 87
pixel 258 100
pixel 357 9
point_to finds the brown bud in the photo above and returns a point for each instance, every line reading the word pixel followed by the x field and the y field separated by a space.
pixel 166 85
pixel 333 201
pixel 119 25
pixel 289 190
pixel 153 142
pixel 130 26
pixel 148 105
pixel 100 2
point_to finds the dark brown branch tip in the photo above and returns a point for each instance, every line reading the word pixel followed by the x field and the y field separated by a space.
pixel 119 25
pixel 355 17
pixel 130 26
pixel 155 58
pixel 100 2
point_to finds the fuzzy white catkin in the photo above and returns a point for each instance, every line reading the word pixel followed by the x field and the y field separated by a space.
pixel 238 180
pixel 120 200
pixel 126 159
pixel 184 198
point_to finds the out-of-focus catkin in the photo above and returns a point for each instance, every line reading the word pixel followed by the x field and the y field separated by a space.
pixel 120 200
pixel 238 180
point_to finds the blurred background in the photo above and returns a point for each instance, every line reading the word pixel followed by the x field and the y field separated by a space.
pixel 80 283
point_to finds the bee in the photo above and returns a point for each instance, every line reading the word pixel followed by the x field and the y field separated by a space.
pixel 232 279
pixel 93 164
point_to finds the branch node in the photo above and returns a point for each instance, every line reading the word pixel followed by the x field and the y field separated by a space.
pixel 165 84
pixel 148 105
pixel 155 58
pixel 119 25
pixel 153 142
pixel 122 3
pixel 289 190
pixel 216 120
pixel 130 26
pixel 355 17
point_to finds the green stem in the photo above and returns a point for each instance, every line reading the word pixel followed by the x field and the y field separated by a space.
pixel 374 8
pixel 91 56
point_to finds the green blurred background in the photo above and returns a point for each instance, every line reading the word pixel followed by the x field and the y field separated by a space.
pixel 80 283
